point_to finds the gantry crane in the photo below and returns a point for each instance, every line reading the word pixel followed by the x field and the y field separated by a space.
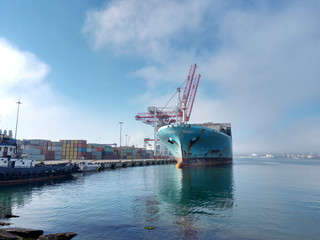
pixel 156 116
pixel 185 104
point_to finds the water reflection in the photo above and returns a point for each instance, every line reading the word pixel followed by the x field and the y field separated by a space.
pixel 206 190
pixel 21 194
pixel 198 193
pixel 146 208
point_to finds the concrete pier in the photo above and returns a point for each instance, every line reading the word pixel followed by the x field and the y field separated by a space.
pixel 120 163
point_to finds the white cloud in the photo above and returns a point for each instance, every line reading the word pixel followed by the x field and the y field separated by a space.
pixel 262 57
pixel 268 69
pixel 23 75
pixel 299 136
pixel 19 68
pixel 45 113
pixel 166 76
pixel 143 27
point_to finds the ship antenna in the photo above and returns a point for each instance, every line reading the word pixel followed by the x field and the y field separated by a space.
pixel 15 135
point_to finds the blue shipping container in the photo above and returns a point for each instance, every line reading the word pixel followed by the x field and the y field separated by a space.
pixel 82 149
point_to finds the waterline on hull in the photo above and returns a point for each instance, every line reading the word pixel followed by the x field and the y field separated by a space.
pixel 200 162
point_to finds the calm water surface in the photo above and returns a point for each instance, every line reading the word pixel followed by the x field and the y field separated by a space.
pixel 252 199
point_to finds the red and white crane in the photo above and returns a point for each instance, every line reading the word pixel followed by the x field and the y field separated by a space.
pixel 156 116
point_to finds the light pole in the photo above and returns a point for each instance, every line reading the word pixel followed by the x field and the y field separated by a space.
pixel 15 135
pixel 126 139
pixel 155 133
pixel 120 132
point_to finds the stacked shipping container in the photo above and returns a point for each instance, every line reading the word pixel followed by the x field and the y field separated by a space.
pixel 74 149
pixel 79 149
pixel 53 150
pixel 34 148
pixel 107 152
pixel 96 150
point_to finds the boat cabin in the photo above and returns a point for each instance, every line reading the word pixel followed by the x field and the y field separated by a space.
pixel 17 163
pixel 8 154
pixel 7 150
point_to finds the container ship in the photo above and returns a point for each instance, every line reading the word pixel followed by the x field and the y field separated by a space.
pixel 198 144
pixel 191 144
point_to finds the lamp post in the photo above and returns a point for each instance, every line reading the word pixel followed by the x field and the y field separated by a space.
pixel 120 132
pixel 126 139
pixel 15 135
pixel 155 133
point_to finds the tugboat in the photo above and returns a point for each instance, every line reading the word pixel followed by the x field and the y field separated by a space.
pixel 20 168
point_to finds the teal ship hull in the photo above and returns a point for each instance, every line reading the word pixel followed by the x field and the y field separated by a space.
pixel 198 144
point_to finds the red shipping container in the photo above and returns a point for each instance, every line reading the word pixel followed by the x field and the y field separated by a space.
pixel 82 141
pixel 82 145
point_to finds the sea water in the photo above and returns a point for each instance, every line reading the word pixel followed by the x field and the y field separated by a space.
pixel 251 199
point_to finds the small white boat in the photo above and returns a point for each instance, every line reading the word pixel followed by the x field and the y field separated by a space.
pixel 86 166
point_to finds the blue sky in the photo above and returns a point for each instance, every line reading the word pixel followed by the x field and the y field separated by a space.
pixel 80 67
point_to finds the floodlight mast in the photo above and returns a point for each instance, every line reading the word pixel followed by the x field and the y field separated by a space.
pixel 120 133
pixel 15 134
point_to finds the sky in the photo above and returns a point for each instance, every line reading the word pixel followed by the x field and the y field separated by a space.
pixel 80 67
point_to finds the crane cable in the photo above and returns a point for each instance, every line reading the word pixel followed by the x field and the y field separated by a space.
pixel 173 96
pixel 140 140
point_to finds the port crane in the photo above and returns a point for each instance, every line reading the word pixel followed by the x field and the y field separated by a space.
pixel 158 117
pixel 184 105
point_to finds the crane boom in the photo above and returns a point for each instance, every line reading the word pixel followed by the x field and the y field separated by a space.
pixel 152 117
pixel 187 88
pixel 192 96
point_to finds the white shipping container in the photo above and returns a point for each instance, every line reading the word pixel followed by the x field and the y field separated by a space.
pixel 56 144
pixel 57 153
pixel 31 151
pixel 56 148
pixel 31 147
pixel 38 157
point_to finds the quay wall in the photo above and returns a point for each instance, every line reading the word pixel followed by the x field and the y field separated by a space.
pixel 118 163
